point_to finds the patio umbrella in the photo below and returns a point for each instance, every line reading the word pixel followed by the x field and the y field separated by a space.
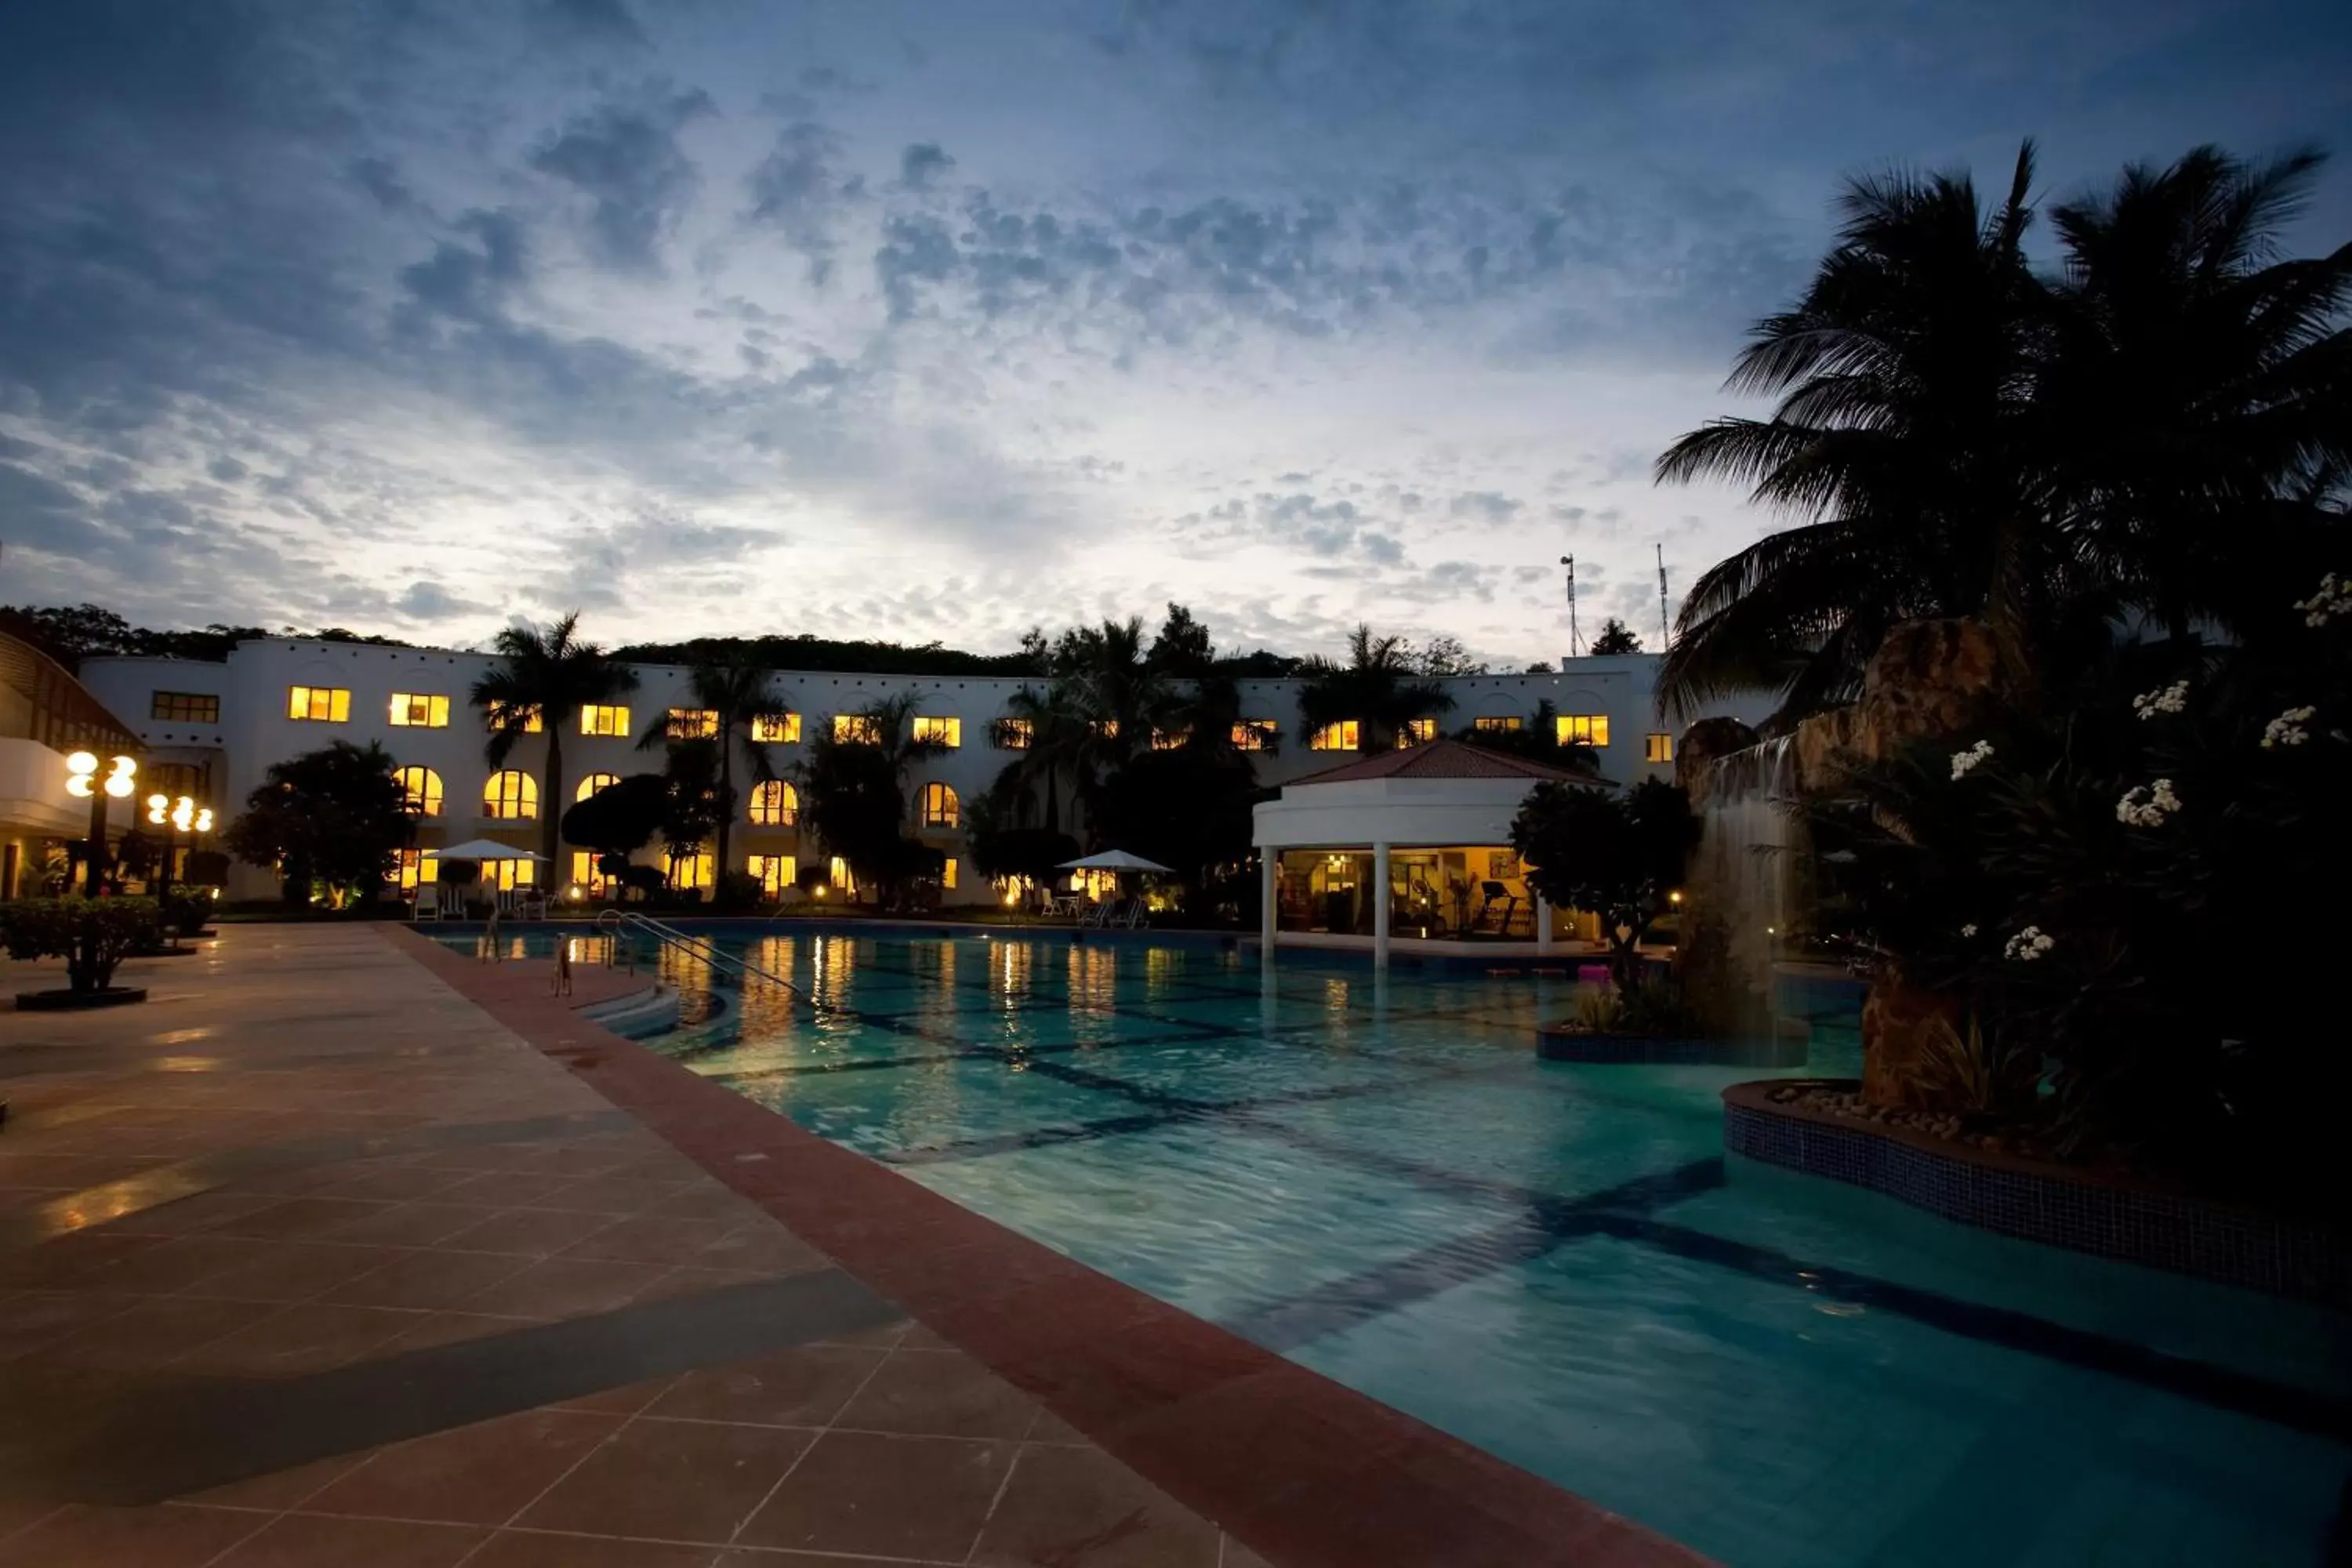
pixel 486 849
pixel 1112 860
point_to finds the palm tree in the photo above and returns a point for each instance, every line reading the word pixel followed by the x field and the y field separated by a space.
pixel 544 676
pixel 1904 376
pixel 854 786
pixel 735 690
pixel 1058 746
pixel 1378 688
pixel 2198 385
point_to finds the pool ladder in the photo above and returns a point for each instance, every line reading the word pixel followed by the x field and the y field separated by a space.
pixel 619 923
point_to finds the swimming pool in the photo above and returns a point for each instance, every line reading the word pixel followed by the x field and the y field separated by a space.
pixel 1377 1178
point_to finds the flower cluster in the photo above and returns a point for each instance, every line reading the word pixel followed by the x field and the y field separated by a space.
pixel 2334 599
pixel 2287 728
pixel 2028 944
pixel 1969 929
pixel 1963 763
pixel 2173 699
pixel 2147 805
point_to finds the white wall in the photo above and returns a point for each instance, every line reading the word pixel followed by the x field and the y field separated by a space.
pixel 254 730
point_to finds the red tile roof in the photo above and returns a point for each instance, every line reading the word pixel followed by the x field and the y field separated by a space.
pixel 1444 760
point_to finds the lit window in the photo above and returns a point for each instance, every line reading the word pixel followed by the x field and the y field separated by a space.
pixel 777 729
pixel 586 876
pixel 1657 748
pixel 1584 728
pixel 692 870
pixel 944 732
pixel 857 730
pixel 948 874
pixel 940 808
pixel 1254 735
pixel 1507 722
pixel 691 723
pixel 1169 740
pixel 775 872
pixel 1106 728
pixel 184 707
pixel 775 804
pixel 418 867
pixel 512 793
pixel 603 719
pixel 1416 732
pixel 319 704
pixel 424 787
pixel 1012 735
pixel 593 783
pixel 839 873
pixel 531 724
pixel 508 873
pixel 1339 737
pixel 419 711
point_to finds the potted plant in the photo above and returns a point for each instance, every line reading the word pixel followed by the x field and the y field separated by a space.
pixel 92 935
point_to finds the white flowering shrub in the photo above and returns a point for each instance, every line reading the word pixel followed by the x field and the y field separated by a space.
pixel 1965 762
pixel 2334 599
pixel 2172 699
pixel 2147 805
pixel 2028 944
pixel 2288 727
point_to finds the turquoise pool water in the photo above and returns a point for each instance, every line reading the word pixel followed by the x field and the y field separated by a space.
pixel 1558 1263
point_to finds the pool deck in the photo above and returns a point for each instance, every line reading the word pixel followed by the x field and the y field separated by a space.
pixel 347 1249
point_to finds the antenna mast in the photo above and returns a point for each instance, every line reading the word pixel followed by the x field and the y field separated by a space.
pixel 1665 628
pixel 1575 644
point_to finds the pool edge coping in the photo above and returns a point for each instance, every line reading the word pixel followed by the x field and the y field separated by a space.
pixel 1300 1467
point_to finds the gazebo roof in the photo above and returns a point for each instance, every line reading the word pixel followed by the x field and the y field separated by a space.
pixel 1443 760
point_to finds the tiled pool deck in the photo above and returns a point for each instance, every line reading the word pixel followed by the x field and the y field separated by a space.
pixel 346 1249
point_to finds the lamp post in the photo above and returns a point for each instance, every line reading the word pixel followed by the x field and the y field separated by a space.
pixel 175 817
pixel 82 780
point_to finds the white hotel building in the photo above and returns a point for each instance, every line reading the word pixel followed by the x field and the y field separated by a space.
pixel 216 729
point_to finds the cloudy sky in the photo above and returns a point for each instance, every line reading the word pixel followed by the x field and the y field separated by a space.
pixel 938 319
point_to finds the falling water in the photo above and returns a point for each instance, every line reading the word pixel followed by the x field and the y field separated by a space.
pixel 1745 871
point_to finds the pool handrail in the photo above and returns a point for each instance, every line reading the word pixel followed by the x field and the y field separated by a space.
pixel 619 921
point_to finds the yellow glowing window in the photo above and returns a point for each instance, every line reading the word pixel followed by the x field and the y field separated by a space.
pixel 1340 737
pixel 1013 734
pixel 692 724
pixel 777 729
pixel 942 731
pixel 418 867
pixel 423 788
pixel 603 719
pixel 1169 740
pixel 775 872
pixel 839 874
pixel 1106 728
pixel 940 808
pixel 319 704
pixel 593 783
pixel 1657 747
pixel 1254 735
pixel 508 873
pixel 1417 733
pixel 775 804
pixel 857 730
pixel 1584 728
pixel 184 707
pixel 948 874
pixel 511 794
pixel 691 870
pixel 1493 724
pixel 586 876
pixel 531 723
pixel 419 710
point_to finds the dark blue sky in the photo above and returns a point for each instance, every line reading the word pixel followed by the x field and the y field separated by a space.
pixel 935 321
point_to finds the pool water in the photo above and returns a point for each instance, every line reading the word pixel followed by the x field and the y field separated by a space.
pixel 1377 1178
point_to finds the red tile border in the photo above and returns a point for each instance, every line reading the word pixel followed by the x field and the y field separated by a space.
pixel 1305 1470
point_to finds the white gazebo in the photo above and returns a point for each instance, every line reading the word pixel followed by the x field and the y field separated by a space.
pixel 1426 827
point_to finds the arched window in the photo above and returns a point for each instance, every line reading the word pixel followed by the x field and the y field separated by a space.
pixel 593 783
pixel 940 808
pixel 424 787
pixel 775 804
pixel 511 794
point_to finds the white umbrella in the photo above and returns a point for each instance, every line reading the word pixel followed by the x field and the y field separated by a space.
pixel 1112 860
pixel 485 850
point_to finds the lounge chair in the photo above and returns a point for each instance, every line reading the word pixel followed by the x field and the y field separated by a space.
pixel 429 902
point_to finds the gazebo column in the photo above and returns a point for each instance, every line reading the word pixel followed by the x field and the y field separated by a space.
pixel 1268 858
pixel 1543 925
pixel 1379 906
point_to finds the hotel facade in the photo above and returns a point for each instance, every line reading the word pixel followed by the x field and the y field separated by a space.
pixel 213 730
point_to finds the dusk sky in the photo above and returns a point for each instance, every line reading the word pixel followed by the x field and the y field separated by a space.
pixel 937 320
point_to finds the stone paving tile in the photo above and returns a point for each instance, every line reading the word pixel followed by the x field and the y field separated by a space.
pixel 482 1474
pixel 672 1480
pixel 1071 1504
pixel 308 1541
pixel 940 1393
pixel 565 1287
pixel 884 1496
pixel 806 1387
pixel 83 1537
